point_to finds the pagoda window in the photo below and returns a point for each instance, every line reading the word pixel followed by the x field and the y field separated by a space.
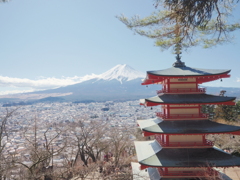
pixel 181 112
pixel 196 169
pixel 178 88
pixel 183 80
pixel 184 106
pixel 183 86
pixel 185 138
pixel 184 111
pixel 189 172
pixel 182 140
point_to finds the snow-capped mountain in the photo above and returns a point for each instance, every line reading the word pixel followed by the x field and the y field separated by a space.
pixel 121 72
pixel 119 83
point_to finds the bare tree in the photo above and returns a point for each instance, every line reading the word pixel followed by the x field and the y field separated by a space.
pixel 5 162
pixel 42 147
pixel 101 150
pixel 118 155
pixel 120 145
pixel 88 137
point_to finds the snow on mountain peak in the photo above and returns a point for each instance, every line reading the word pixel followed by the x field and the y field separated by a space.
pixel 121 72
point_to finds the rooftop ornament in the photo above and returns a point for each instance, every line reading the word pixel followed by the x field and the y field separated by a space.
pixel 178 47
pixel 178 62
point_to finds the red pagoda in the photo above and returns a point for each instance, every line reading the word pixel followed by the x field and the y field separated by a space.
pixel 180 149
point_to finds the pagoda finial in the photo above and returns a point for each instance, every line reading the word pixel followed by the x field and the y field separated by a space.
pixel 178 48
pixel 178 62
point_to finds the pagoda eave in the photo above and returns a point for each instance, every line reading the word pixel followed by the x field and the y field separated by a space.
pixel 152 154
pixel 148 133
pixel 157 126
pixel 202 75
pixel 187 99
pixel 156 79
pixel 152 103
pixel 151 173
pixel 142 166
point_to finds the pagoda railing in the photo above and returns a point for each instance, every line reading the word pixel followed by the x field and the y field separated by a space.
pixel 183 144
pixel 211 173
pixel 179 116
pixel 182 90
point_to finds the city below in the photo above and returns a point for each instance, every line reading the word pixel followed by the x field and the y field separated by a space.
pixel 32 122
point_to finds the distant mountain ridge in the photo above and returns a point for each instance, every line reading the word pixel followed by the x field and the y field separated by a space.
pixel 120 83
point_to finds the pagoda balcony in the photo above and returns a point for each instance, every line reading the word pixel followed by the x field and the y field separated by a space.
pixel 205 173
pixel 182 116
pixel 182 90
pixel 185 144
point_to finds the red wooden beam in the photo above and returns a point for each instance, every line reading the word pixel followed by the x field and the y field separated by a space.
pixel 150 103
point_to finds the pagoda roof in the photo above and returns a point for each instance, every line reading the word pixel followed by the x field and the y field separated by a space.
pixel 187 99
pixel 150 174
pixel 159 126
pixel 182 157
pixel 186 72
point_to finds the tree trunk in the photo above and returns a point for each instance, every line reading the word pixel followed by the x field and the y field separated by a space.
pixel 83 158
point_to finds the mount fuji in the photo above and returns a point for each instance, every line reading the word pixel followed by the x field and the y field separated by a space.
pixel 120 83
pixel 121 73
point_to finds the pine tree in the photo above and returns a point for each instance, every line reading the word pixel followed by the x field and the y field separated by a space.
pixel 203 23
pixel 228 113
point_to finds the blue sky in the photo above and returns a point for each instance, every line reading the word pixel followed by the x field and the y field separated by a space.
pixel 58 41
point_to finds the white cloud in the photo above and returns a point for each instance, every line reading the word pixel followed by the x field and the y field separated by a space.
pixel 15 91
pixel 39 84
pixel 11 85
